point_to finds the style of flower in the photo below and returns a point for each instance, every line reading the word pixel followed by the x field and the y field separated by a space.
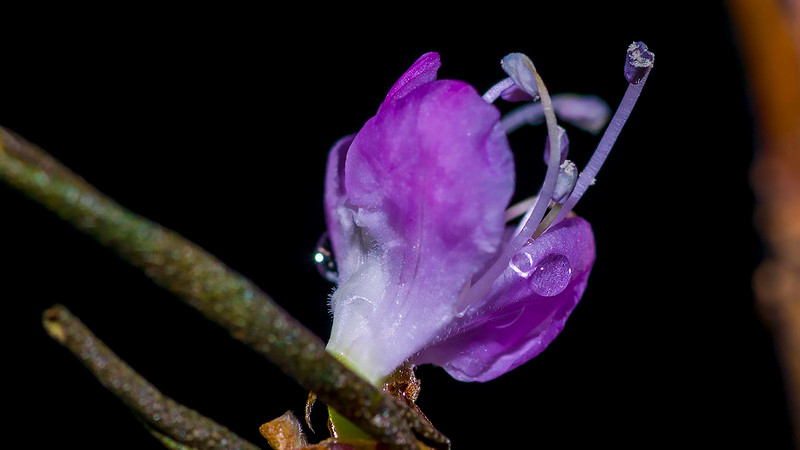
pixel 429 267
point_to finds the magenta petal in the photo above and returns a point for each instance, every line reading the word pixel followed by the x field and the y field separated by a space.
pixel 426 183
pixel 430 178
pixel 423 71
pixel 341 230
pixel 525 311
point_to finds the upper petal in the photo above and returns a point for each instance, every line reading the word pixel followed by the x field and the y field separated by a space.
pixel 526 309
pixel 429 180
pixel 423 71
pixel 426 183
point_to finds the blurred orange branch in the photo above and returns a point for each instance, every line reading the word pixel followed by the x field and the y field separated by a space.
pixel 769 40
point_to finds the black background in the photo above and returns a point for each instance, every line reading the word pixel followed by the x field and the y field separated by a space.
pixel 216 122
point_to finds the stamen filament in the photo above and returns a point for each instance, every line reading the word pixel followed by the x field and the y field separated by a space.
pixel 495 91
pixel 549 218
pixel 586 112
pixel 530 114
pixel 484 283
pixel 589 173
pixel 520 209
pixel 549 185
pixel 638 63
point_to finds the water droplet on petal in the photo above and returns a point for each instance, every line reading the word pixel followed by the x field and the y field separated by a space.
pixel 323 258
pixel 522 264
pixel 551 275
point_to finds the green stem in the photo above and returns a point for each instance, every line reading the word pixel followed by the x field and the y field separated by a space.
pixel 343 428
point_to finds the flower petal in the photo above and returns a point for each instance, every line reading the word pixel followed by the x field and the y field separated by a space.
pixel 426 183
pixel 423 71
pixel 525 311
pixel 338 216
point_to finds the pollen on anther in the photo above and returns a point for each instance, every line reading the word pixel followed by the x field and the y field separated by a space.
pixel 638 62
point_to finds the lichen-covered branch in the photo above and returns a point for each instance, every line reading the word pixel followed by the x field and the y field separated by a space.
pixel 168 420
pixel 221 294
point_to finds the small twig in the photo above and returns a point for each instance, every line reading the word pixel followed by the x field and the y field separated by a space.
pixel 169 421
pixel 221 294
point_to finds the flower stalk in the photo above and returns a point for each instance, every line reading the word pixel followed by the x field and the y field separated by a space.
pixel 206 284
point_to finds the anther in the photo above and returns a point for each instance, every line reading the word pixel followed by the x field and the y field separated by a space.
pixel 638 62
pixel 521 69
pixel 565 183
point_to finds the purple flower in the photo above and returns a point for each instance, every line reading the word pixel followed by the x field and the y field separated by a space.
pixel 430 270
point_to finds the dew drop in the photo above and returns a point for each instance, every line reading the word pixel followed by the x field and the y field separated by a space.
pixel 522 264
pixel 551 275
pixel 323 259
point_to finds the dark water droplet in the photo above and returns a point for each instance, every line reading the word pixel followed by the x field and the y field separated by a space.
pixel 323 258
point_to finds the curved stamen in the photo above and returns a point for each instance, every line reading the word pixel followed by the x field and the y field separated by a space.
pixel 638 63
pixel 520 209
pixel 494 92
pixel 484 283
pixel 586 112
pixel 637 69
pixel 530 114
pixel 564 140
pixel 549 185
